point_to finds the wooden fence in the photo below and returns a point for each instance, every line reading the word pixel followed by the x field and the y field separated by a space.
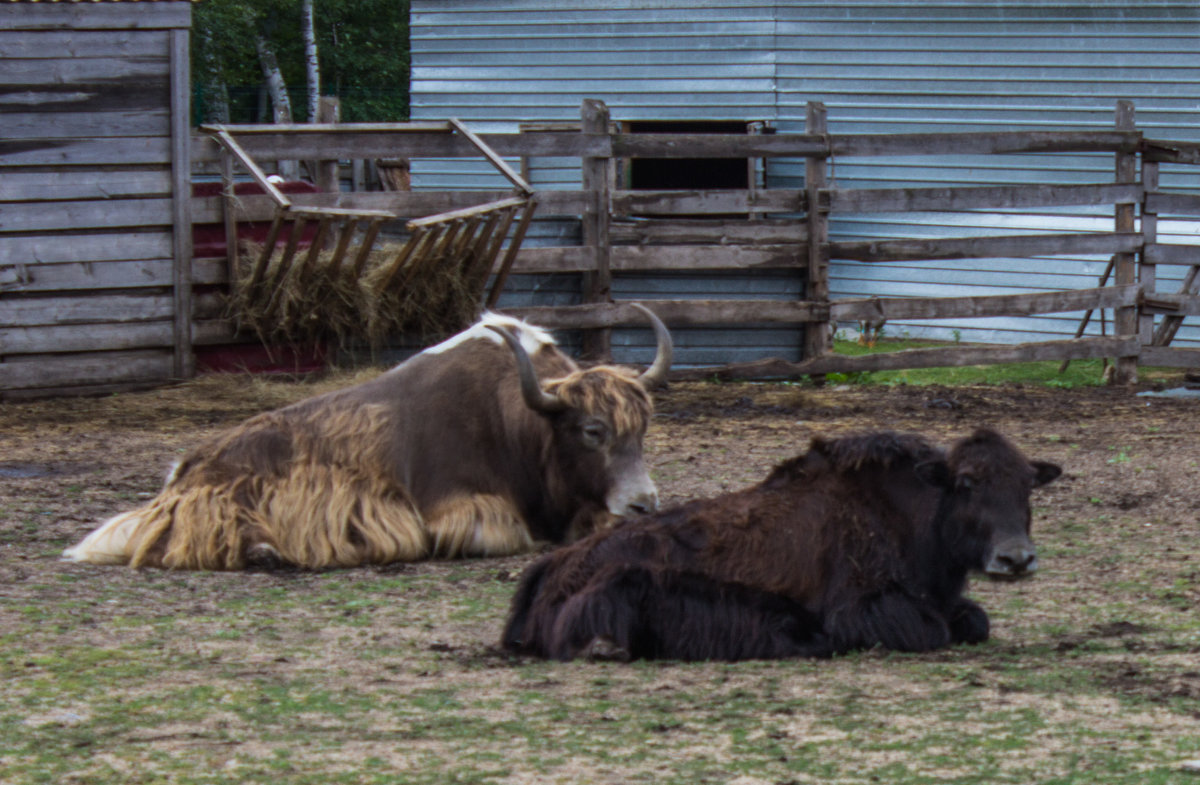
pixel 757 228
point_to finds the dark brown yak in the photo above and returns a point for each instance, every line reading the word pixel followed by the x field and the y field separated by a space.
pixel 470 448
pixel 862 541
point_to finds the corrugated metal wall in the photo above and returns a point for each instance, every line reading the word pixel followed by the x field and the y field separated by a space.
pixel 880 67
pixel 908 67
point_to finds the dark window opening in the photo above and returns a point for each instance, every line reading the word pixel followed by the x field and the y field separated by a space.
pixel 649 174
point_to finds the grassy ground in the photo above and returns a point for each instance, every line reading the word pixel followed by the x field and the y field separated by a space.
pixel 393 675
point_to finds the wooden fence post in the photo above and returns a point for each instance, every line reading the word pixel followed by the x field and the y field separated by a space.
pixel 597 184
pixel 816 290
pixel 1125 267
pixel 183 364
pixel 1147 273
pixel 325 172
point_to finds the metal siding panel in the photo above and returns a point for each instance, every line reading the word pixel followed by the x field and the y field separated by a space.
pixel 909 67
pixel 892 66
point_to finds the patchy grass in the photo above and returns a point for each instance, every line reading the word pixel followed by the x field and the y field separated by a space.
pixel 1079 373
pixel 394 675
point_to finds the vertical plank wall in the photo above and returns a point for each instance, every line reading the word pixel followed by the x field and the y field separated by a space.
pixel 94 279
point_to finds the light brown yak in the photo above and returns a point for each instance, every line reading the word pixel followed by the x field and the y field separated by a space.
pixel 470 448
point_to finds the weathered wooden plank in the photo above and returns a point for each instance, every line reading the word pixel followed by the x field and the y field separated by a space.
pixel 1125 319
pixel 96 16
pixel 630 258
pixel 354 140
pixel 1160 253
pixel 875 309
pixel 56 44
pixel 675 313
pixel 75 119
pixel 1177 152
pixel 78 185
pixel 778 200
pixel 181 204
pixel 852 145
pixel 110 213
pixel 97 309
pixel 405 204
pixel 84 71
pixel 358 140
pixel 87 276
pixel 1173 204
pixel 1172 303
pixel 987 247
pixel 708 231
pixel 869 200
pixel 1169 357
pixel 942 357
pixel 84 152
pixel 79 370
pixel 46 339
pixel 90 247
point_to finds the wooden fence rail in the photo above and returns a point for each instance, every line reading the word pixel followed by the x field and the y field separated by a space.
pixel 66 296
pixel 677 231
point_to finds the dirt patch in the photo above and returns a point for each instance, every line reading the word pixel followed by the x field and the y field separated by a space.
pixel 1093 663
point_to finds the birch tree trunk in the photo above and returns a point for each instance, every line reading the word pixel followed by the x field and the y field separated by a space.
pixel 289 170
pixel 312 68
pixel 276 87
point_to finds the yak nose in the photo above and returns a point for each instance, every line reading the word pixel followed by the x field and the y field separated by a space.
pixel 642 503
pixel 1013 562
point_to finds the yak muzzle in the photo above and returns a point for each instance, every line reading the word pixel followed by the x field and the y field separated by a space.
pixel 1012 560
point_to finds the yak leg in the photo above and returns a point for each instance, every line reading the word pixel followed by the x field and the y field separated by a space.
pixel 893 620
pixel 968 623
pixel 634 612
pixel 477 525
pixel 519 633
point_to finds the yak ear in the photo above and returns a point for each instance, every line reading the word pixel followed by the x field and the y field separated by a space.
pixel 1044 472
pixel 936 473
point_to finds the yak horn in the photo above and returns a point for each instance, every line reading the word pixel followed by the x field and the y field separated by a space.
pixel 656 374
pixel 531 389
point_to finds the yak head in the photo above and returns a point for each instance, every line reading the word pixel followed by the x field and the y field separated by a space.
pixel 986 510
pixel 599 417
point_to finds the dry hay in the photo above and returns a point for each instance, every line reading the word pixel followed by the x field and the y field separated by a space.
pixel 327 300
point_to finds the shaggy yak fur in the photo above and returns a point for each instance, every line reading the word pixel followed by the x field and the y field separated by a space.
pixel 470 448
pixel 859 542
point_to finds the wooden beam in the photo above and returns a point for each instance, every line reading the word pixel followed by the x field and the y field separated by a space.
pixel 893 200
pixel 1169 357
pixel 183 360
pixel 598 183
pixel 985 306
pixel 817 338
pixel 251 167
pixel 1125 320
pixel 676 313
pixel 986 247
pixel 490 154
pixel 684 231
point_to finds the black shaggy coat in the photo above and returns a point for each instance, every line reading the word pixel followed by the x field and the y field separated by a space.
pixel 858 542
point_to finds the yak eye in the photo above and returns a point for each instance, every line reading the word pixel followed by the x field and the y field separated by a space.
pixel 966 482
pixel 595 434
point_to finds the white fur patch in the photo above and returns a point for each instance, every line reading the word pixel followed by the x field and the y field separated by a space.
pixel 109 543
pixel 532 338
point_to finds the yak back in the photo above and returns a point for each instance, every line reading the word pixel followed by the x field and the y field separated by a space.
pixel 848 513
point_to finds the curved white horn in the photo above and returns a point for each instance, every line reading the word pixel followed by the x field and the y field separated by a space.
pixel 656 374
pixel 531 389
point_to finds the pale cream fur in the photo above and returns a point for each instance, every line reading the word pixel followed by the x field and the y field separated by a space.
pixel 477 525
pixel 324 509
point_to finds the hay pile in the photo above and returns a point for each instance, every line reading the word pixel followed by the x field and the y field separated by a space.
pixel 321 300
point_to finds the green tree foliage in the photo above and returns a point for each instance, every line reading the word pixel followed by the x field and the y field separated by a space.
pixel 363 48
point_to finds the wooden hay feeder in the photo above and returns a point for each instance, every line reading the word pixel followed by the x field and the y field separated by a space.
pixel 340 282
